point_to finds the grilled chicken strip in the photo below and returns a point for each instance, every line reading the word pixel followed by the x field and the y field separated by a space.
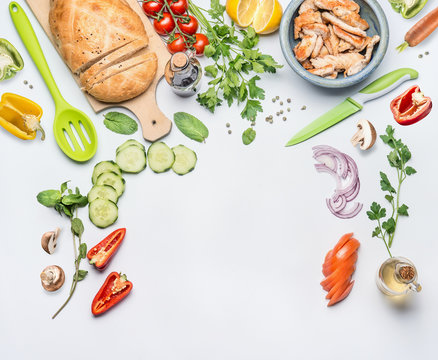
pixel 318 46
pixel 344 46
pixel 341 62
pixel 307 64
pixel 357 41
pixel 360 65
pixel 307 5
pixel 318 29
pixel 350 17
pixel 332 76
pixel 332 42
pixel 323 71
pixel 305 48
pixel 331 4
pixel 323 51
pixel 344 26
pixel 307 17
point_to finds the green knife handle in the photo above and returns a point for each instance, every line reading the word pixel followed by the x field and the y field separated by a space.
pixel 25 30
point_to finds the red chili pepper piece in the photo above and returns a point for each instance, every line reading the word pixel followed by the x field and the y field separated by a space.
pixel 115 288
pixel 100 255
pixel 411 106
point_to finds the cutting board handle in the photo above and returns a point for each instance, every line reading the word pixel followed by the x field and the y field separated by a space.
pixel 155 125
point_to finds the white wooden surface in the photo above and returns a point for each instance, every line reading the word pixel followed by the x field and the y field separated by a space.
pixel 226 260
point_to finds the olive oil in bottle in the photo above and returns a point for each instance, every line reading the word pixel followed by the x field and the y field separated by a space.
pixel 183 73
pixel 397 277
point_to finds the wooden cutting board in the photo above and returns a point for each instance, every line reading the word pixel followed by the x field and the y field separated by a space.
pixel 154 123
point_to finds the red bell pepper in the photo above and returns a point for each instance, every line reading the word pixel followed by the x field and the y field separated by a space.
pixel 411 106
pixel 115 288
pixel 100 255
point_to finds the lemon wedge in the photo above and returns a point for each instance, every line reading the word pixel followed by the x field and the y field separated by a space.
pixel 242 11
pixel 267 17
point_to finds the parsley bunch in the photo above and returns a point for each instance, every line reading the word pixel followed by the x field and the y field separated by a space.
pixel 397 159
pixel 236 63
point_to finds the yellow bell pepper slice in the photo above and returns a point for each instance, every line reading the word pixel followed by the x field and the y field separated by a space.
pixel 20 116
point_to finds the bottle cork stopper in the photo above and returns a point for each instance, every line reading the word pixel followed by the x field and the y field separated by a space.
pixel 179 60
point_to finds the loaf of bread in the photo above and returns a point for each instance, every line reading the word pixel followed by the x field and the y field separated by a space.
pixel 104 42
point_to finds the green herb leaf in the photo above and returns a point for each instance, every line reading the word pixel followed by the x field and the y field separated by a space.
pixel 49 198
pixel 376 232
pixel 248 136
pixel 377 212
pixel 190 126
pixel 410 170
pixel 64 186
pixel 81 275
pixel 385 184
pixel 254 91
pixel 211 70
pixel 209 50
pixel 251 109
pixel 389 225
pixel 389 198
pixel 120 123
pixel 82 251
pixel 403 210
pixel 62 209
pixel 75 199
pixel 77 227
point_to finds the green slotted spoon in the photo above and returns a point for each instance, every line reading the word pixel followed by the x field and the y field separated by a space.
pixel 68 119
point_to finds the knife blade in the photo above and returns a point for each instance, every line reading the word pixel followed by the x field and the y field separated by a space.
pixel 353 104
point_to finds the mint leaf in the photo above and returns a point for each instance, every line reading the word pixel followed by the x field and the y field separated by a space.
pixel 77 227
pixel 49 198
pixel 74 199
pixel 120 123
pixel 190 126
pixel 82 251
pixel 248 136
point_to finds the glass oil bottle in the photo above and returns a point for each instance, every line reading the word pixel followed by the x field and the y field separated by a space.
pixel 397 277
pixel 183 73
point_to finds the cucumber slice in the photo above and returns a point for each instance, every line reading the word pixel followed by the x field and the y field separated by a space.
pixel 185 160
pixel 130 142
pixel 105 166
pixel 103 213
pixel 105 192
pixel 131 159
pixel 112 179
pixel 161 157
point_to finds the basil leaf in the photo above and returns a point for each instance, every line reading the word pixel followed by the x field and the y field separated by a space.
pixel 49 198
pixel 248 136
pixel 74 199
pixel 82 251
pixel 64 186
pixel 120 123
pixel 81 275
pixel 77 228
pixel 61 208
pixel 190 126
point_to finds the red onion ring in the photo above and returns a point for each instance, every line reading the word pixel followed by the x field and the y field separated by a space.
pixel 341 167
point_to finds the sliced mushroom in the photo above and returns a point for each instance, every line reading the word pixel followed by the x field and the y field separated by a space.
pixel 48 240
pixel 52 278
pixel 365 136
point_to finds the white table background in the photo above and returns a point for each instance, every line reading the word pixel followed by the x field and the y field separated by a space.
pixel 226 261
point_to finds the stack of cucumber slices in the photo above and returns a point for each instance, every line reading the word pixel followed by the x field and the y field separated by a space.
pixel 109 185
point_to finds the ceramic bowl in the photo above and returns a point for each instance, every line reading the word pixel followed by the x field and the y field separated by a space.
pixel 370 10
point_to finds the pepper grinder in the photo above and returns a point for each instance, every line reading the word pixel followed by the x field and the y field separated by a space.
pixel 183 74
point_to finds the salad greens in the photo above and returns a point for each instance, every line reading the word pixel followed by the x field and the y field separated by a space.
pixel 190 126
pixel 397 158
pixel 67 202
pixel 120 123
pixel 237 62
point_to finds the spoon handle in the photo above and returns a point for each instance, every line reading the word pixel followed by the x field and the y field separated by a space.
pixel 25 30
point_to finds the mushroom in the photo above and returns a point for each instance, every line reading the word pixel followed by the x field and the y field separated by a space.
pixel 52 278
pixel 365 136
pixel 48 240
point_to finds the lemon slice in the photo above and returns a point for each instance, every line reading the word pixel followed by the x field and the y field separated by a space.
pixel 267 17
pixel 242 11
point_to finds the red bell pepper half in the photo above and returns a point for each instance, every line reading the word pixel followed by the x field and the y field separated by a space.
pixel 100 255
pixel 411 106
pixel 115 288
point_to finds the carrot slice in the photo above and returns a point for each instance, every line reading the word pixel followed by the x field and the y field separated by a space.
pixel 339 276
pixel 342 241
pixel 337 298
pixel 328 269
pixel 337 286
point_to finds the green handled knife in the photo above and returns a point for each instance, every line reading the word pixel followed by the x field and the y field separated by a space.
pixel 353 104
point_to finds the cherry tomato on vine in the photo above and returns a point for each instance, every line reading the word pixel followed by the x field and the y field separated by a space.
pixel 177 45
pixel 152 7
pixel 188 25
pixel 201 43
pixel 178 7
pixel 165 25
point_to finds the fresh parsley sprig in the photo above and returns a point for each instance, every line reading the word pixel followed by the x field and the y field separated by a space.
pixel 68 205
pixel 397 158
pixel 236 63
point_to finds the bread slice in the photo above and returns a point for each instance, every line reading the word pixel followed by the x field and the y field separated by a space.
pixel 85 31
pixel 111 59
pixel 126 84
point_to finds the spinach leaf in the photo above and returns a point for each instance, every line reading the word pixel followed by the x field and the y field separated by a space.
pixel 190 126
pixel 120 123
pixel 49 198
